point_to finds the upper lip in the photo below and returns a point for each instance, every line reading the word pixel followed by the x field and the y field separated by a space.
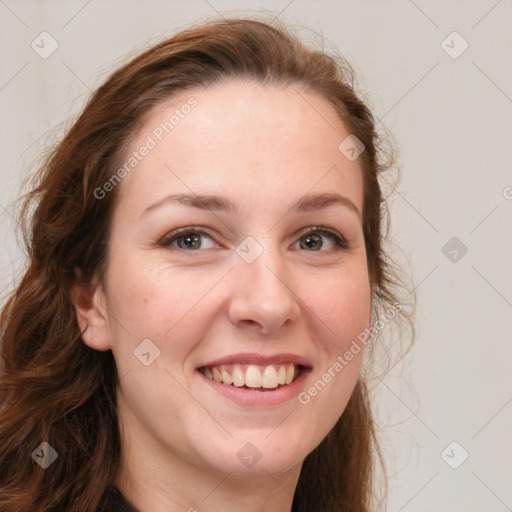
pixel 258 359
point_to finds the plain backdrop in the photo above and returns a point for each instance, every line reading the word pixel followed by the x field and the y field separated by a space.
pixel 438 75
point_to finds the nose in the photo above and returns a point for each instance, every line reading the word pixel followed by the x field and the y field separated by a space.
pixel 263 297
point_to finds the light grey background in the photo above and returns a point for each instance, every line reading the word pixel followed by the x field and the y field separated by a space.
pixel 451 118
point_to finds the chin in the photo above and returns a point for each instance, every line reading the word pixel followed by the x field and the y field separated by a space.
pixel 259 454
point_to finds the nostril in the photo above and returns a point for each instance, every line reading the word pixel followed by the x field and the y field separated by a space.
pixel 249 323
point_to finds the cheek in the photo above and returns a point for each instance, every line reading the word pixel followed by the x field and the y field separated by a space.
pixel 341 305
pixel 168 306
pixel 340 312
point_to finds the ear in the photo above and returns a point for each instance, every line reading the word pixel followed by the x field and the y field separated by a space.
pixel 91 310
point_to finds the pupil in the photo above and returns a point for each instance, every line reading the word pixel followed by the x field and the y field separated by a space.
pixel 311 240
pixel 190 242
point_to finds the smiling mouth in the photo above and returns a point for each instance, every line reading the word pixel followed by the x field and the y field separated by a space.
pixel 251 376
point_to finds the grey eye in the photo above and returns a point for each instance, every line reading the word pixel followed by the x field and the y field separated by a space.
pixel 319 240
pixel 189 241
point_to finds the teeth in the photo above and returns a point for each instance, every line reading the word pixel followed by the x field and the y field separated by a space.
pixel 238 377
pixel 226 377
pixel 268 377
pixel 253 377
pixel 217 376
pixel 290 373
pixel 281 376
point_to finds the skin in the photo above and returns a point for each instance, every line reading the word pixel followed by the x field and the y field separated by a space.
pixel 262 148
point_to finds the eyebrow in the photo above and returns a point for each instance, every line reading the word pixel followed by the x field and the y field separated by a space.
pixel 306 203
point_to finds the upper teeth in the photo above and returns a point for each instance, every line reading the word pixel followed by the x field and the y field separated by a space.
pixel 254 376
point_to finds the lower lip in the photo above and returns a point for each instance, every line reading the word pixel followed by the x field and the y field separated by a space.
pixel 248 397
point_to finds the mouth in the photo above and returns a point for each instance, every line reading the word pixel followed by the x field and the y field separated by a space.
pixel 255 377
pixel 256 380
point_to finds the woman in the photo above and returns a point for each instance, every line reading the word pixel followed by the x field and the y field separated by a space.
pixel 205 270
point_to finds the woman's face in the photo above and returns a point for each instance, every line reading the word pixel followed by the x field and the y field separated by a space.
pixel 255 287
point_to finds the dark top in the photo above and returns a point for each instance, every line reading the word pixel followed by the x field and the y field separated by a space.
pixel 113 501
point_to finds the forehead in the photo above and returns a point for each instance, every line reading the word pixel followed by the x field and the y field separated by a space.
pixel 243 137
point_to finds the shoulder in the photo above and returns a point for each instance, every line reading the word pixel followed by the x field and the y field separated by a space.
pixel 113 501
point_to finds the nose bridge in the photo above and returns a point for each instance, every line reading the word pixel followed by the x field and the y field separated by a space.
pixel 263 293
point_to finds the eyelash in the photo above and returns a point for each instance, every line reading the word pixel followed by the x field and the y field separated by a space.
pixel 169 238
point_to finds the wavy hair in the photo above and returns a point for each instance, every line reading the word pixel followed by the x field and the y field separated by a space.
pixel 53 388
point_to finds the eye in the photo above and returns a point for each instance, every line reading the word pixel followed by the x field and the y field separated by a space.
pixel 316 238
pixel 313 240
pixel 188 239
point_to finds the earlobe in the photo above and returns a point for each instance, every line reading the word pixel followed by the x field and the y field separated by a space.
pixel 91 312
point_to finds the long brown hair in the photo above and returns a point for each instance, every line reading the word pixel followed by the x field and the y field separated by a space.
pixel 55 389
